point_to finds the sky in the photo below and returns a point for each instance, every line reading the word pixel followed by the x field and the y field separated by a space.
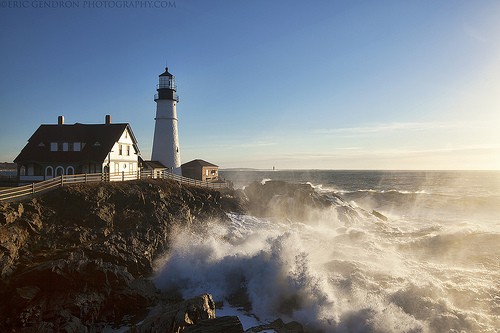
pixel 291 84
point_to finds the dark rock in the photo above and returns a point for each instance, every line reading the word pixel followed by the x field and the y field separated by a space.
pixel 227 324
pixel 283 200
pixel 279 326
pixel 379 215
pixel 174 318
pixel 297 202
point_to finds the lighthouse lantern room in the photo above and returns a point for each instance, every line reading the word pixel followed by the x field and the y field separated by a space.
pixel 166 135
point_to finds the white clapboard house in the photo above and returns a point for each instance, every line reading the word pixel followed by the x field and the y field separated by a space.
pixel 67 149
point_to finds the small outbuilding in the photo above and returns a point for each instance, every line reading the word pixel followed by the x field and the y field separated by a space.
pixel 200 170
pixel 154 168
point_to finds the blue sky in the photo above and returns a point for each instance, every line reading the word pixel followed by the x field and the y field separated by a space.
pixel 294 84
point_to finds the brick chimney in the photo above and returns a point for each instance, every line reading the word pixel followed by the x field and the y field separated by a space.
pixel 108 119
pixel 60 120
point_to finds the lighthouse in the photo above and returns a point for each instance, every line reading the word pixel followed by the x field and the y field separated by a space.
pixel 166 137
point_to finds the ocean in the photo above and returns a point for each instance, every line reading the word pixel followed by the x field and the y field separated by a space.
pixel 429 263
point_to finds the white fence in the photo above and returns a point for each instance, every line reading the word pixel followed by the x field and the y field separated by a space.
pixel 21 192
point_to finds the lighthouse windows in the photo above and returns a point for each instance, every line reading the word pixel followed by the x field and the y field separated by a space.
pixel 165 82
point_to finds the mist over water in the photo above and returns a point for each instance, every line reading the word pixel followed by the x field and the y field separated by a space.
pixel 433 266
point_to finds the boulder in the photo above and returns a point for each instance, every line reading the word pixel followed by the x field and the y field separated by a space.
pixel 296 202
pixel 174 318
pixel 278 326
pixel 379 215
pixel 226 324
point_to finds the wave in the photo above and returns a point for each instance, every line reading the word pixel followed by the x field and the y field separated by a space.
pixel 456 245
pixel 280 277
pixel 341 269
pixel 423 204
pixel 383 191
pixel 334 277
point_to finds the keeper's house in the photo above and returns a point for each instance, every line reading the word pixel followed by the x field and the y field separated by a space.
pixel 200 170
pixel 61 149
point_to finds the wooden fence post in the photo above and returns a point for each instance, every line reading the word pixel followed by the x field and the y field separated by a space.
pixel 62 180
pixel 85 177
pixel 33 189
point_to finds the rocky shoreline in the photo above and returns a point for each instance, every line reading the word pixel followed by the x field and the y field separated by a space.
pixel 80 258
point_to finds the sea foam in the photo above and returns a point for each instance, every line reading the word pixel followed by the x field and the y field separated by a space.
pixel 338 275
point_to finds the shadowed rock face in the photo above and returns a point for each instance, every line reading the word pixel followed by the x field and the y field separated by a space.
pixel 297 202
pixel 282 199
pixel 79 255
pixel 177 317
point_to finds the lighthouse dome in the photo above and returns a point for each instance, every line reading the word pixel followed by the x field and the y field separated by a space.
pixel 166 73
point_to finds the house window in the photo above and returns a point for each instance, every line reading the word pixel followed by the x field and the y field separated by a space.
pixel 117 167
pixel 126 134
pixel 120 150
pixel 59 171
pixel 49 172
pixel 206 172
pixel 76 146
pixel 71 146
pixel 70 170
pixel 128 150
pixel 65 146
pixel 53 146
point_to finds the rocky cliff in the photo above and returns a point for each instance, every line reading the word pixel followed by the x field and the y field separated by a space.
pixel 79 256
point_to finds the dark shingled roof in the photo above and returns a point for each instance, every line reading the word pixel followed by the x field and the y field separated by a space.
pixel 98 139
pixel 198 162
pixel 154 165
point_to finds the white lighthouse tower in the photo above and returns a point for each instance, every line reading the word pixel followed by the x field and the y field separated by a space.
pixel 166 137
